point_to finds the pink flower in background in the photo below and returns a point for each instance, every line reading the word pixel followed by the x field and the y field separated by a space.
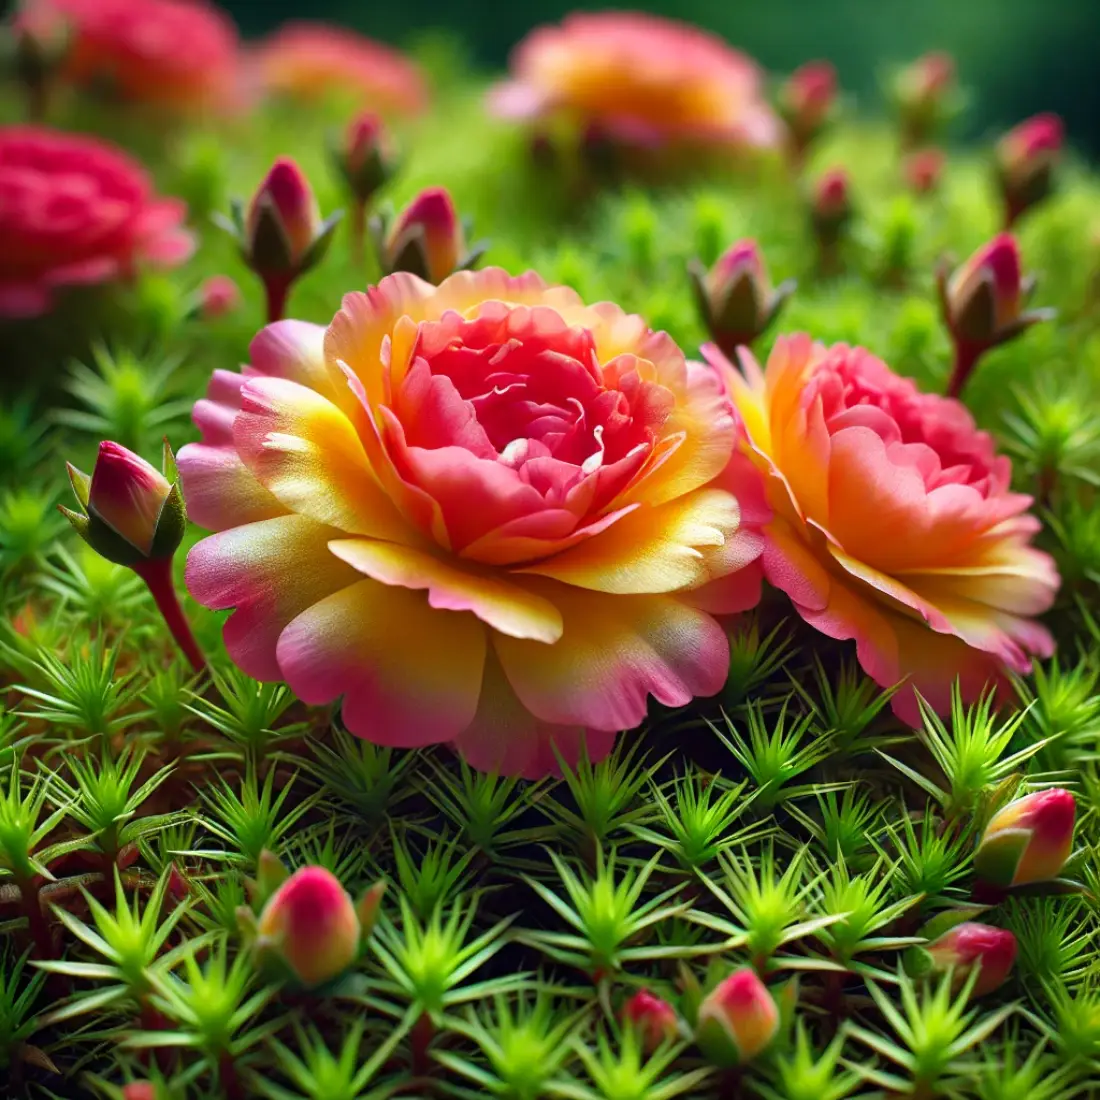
pixel 894 524
pixel 482 513
pixel 75 210
pixel 640 80
pixel 219 296
pixel 307 60
pixel 181 54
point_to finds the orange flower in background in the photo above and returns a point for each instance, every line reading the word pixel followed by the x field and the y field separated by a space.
pixel 482 513
pixel 893 522
pixel 307 60
pixel 180 54
pixel 640 80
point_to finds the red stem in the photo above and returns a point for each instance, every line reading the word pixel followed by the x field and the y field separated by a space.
pixel 358 232
pixel 37 924
pixel 966 359
pixel 277 289
pixel 157 575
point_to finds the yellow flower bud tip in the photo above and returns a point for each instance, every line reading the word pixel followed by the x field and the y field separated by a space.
pixel 310 923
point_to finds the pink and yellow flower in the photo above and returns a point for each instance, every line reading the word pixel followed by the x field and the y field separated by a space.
pixel 639 80
pixel 893 522
pixel 308 60
pixel 483 513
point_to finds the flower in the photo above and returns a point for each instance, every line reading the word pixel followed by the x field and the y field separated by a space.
pixel 807 101
pixel 737 1020
pixel 923 169
pixel 853 457
pixel 177 54
pixel 969 945
pixel 483 513
pixel 74 210
pixel 926 95
pixel 426 238
pixel 311 925
pixel 129 511
pixel 308 60
pixel 281 235
pixel 218 296
pixel 639 80
pixel 655 1018
pixel 365 159
pixel 982 304
pixel 735 297
pixel 1027 841
pixel 1026 159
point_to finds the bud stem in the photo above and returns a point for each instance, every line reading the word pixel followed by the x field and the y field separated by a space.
pixel 277 289
pixel 966 359
pixel 157 575
pixel 358 229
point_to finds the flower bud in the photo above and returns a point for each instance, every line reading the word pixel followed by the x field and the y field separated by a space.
pixel 129 511
pixel 830 213
pixel 737 1020
pixel 365 159
pixel 807 102
pixel 923 169
pixel 282 221
pixel 923 92
pixel 426 238
pixel 969 945
pixel 369 906
pixel 310 924
pixel 1026 159
pixel 654 1018
pixel 218 296
pixel 42 38
pixel 1027 841
pixel 735 297
pixel 139 1090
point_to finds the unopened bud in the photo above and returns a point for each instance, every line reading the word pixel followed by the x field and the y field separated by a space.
pixel 737 1020
pixel 1026 159
pixel 655 1019
pixel 1027 841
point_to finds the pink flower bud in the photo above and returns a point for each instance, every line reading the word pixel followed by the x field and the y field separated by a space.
pixel 807 100
pixel 971 945
pixel 1026 159
pixel 923 170
pixel 831 196
pixel 366 159
pixel 282 221
pixel 219 296
pixel 129 512
pixel 655 1019
pixel 139 1090
pixel 737 1020
pixel 735 297
pixel 923 92
pixel 178 886
pixel 427 237
pixel 1028 841
pixel 310 924
pixel 985 294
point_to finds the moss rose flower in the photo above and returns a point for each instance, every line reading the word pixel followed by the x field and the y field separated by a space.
pixel 179 54
pixel 74 210
pixel 308 60
pixel 893 522
pixel 483 513
pixel 640 80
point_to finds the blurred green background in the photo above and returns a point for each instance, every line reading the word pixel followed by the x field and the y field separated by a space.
pixel 1017 56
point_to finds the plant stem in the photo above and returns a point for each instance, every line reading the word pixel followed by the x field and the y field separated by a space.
pixel 358 228
pixel 37 924
pixel 966 359
pixel 229 1079
pixel 157 575
pixel 277 289
pixel 420 1040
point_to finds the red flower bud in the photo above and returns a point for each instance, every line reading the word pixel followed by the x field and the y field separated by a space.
pixel 1026 159
pixel 139 1090
pixel 985 294
pixel 1028 841
pixel 735 297
pixel 366 158
pixel 426 238
pixel 830 213
pixel 969 945
pixel 219 296
pixel 923 92
pixel 923 169
pixel 737 1020
pixel 807 101
pixel 282 221
pixel 130 512
pixel 655 1019
pixel 310 924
